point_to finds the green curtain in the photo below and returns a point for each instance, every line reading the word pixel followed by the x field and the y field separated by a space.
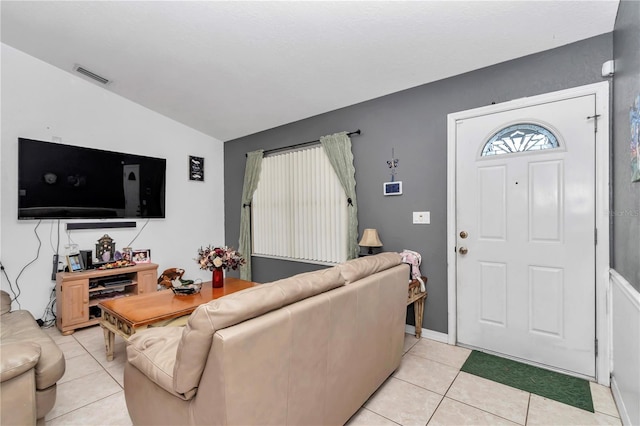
pixel 338 150
pixel 251 178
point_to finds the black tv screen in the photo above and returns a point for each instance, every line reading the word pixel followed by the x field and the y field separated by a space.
pixel 57 181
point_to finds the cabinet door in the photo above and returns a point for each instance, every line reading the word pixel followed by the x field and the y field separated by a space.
pixel 75 306
pixel 147 281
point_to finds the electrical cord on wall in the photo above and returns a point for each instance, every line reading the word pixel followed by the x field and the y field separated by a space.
pixel 10 285
pixel 69 239
pixel 141 229
pixel 35 231
pixel 49 316
pixel 55 249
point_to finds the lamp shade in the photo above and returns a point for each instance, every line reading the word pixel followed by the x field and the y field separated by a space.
pixel 370 238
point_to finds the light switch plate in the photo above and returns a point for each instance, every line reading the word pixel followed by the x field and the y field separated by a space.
pixel 422 218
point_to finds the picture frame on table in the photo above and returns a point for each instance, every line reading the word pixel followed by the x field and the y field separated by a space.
pixel 141 256
pixel 74 263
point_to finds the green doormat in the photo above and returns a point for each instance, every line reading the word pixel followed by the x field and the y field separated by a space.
pixel 549 384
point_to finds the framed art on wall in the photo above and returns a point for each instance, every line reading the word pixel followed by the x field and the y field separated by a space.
pixel 634 124
pixel 196 168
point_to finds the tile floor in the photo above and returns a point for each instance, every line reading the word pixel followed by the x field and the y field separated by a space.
pixel 428 388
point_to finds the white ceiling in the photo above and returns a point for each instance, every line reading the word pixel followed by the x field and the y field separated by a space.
pixel 230 68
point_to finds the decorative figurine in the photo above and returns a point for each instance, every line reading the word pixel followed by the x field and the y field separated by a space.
pixel 105 249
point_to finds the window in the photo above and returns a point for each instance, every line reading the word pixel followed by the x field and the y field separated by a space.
pixel 299 210
pixel 521 137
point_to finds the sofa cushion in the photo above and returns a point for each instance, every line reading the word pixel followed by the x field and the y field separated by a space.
pixel 20 326
pixel 236 308
pixel 153 352
pixel 356 269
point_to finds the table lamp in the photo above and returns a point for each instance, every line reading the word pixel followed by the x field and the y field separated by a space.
pixel 370 239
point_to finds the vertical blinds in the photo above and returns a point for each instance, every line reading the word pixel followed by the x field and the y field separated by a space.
pixel 299 209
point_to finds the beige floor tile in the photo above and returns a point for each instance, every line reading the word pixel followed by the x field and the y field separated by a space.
pixel 365 417
pixel 109 411
pixel 404 403
pixel 116 370
pixel 71 349
pixel 425 373
pixel 91 338
pixel 119 353
pixel 496 398
pixel 91 389
pixel 454 356
pixel 55 334
pixel 83 333
pixel 543 411
pixel 77 393
pixel 451 412
pixel 79 366
pixel 603 400
pixel 409 341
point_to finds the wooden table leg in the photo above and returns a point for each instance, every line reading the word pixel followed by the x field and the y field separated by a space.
pixel 418 310
pixel 109 339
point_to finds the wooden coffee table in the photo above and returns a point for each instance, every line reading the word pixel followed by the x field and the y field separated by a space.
pixel 126 315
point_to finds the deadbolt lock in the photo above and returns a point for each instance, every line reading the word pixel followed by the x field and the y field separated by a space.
pixel 463 234
pixel 462 250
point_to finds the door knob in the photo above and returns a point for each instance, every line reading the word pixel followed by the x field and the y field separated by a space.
pixel 463 234
pixel 462 250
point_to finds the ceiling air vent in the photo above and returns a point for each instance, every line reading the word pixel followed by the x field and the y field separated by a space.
pixel 91 75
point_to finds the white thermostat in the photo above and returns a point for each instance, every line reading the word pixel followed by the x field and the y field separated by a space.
pixel 392 188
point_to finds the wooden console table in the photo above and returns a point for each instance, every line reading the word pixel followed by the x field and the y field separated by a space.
pixel 417 297
pixel 78 293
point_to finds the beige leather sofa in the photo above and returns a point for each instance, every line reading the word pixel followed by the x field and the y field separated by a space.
pixel 30 365
pixel 306 350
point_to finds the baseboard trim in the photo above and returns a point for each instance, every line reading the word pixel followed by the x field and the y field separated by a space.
pixel 428 334
pixel 617 397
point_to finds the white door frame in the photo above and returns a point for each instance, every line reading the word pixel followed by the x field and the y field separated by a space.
pixel 601 92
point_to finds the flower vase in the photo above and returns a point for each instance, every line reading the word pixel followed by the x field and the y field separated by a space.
pixel 218 277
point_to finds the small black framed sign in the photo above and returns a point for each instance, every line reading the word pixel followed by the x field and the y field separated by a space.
pixel 196 168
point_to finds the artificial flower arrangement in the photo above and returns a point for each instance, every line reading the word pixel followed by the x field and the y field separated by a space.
pixel 219 257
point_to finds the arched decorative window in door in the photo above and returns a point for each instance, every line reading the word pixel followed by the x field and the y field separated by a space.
pixel 520 137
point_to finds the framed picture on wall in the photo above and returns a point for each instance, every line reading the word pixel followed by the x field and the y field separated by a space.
pixel 634 124
pixel 196 168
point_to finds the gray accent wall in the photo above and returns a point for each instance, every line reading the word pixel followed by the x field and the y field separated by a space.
pixel 414 123
pixel 626 195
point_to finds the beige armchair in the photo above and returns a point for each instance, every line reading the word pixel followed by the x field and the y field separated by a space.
pixel 30 365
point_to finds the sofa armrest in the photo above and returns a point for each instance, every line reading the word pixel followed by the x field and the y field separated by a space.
pixel 17 358
pixel 153 352
pixel 5 302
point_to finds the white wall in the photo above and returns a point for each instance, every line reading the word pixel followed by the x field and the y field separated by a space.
pixel 40 102
pixel 625 319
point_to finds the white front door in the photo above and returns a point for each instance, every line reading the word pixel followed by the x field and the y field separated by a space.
pixel 525 222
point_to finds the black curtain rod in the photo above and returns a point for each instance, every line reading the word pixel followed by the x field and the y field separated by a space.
pixel 303 144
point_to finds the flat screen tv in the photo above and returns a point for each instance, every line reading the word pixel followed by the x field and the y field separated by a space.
pixel 57 181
